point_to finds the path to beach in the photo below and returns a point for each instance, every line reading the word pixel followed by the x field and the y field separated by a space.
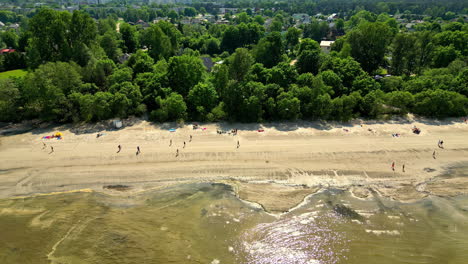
pixel 277 167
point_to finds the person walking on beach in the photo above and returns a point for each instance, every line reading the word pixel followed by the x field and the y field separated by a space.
pixel 51 149
pixel 440 144
pixel 190 138
pixel 238 144
pixel 120 148
pixel 170 143
pixel 393 166
pixel 434 154
pixel 184 145
pixel 138 150
pixel 44 145
pixel 403 167
pixel 177 153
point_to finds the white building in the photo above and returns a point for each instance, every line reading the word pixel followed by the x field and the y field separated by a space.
pixel 325 45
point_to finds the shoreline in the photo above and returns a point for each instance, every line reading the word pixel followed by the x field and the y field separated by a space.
pixel 277 168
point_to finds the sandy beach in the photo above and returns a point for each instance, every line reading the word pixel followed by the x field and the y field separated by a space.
pixel 276 168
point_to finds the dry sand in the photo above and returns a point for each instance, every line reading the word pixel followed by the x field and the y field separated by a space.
pixel 299 158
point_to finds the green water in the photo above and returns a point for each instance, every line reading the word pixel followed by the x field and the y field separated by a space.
pixel 206 223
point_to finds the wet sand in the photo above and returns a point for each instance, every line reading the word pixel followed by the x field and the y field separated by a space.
pixel 276 168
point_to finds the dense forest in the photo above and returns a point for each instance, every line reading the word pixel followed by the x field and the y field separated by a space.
pixel 247 64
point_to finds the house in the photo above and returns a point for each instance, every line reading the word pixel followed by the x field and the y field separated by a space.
pixel 208 63
pixel 331 17
pixel 14 26
pixel 124 57
pixel 301 18
pixel 325 45
pixel 222 21
pixel 6 51
pixel 410 26
pixel 142 23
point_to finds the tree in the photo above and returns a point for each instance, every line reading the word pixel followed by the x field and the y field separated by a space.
pixel 9 101
pixel 440 103
pixel 259 19
pixel 316 30
pixel 202 99
pixel 372 104
pixel 457 39
pixel 83 29
pixel 110 43
pixel 288 106
pixel 184 72
pixel 129 37
pixel 121 75
pixel 391 83
pixel 202 10
pixel 140 62
pixel 211 46
pixel 130 98
pixel 220 78
pixel 242 18
pixel 45 90
pixel 98 71
pixel 443 56
pixel 364 84
pixel 331 79
pixel 171 108
pixel 343 107
pixel 346 68
pixel 404 54
pixel 173 34
pixel 269 50
pixel 240 63
pixel 10 38
pixel 48 40
pixel 190 12
pixel 368 44
pixel 309 56
pixel 102 105
pixel 282 74
pixel 292 37
pixel 158 43
pixel 173 15
pixel 276 26
pixel 401 99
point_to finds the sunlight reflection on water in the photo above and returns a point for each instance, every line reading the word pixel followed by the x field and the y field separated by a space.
pixel 303 239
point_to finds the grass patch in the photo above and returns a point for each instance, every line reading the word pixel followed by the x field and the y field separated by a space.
pixel 13 73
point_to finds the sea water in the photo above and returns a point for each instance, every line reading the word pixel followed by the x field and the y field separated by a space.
pixel 206 223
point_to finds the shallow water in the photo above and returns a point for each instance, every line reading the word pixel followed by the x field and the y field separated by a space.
pixel 206 223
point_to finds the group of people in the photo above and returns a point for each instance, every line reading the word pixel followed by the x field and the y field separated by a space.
pixel 45 146
pixel 232 132
pixel 440 144
pixel 402 167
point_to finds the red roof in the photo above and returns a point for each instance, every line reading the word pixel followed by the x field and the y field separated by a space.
pixel 6 51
